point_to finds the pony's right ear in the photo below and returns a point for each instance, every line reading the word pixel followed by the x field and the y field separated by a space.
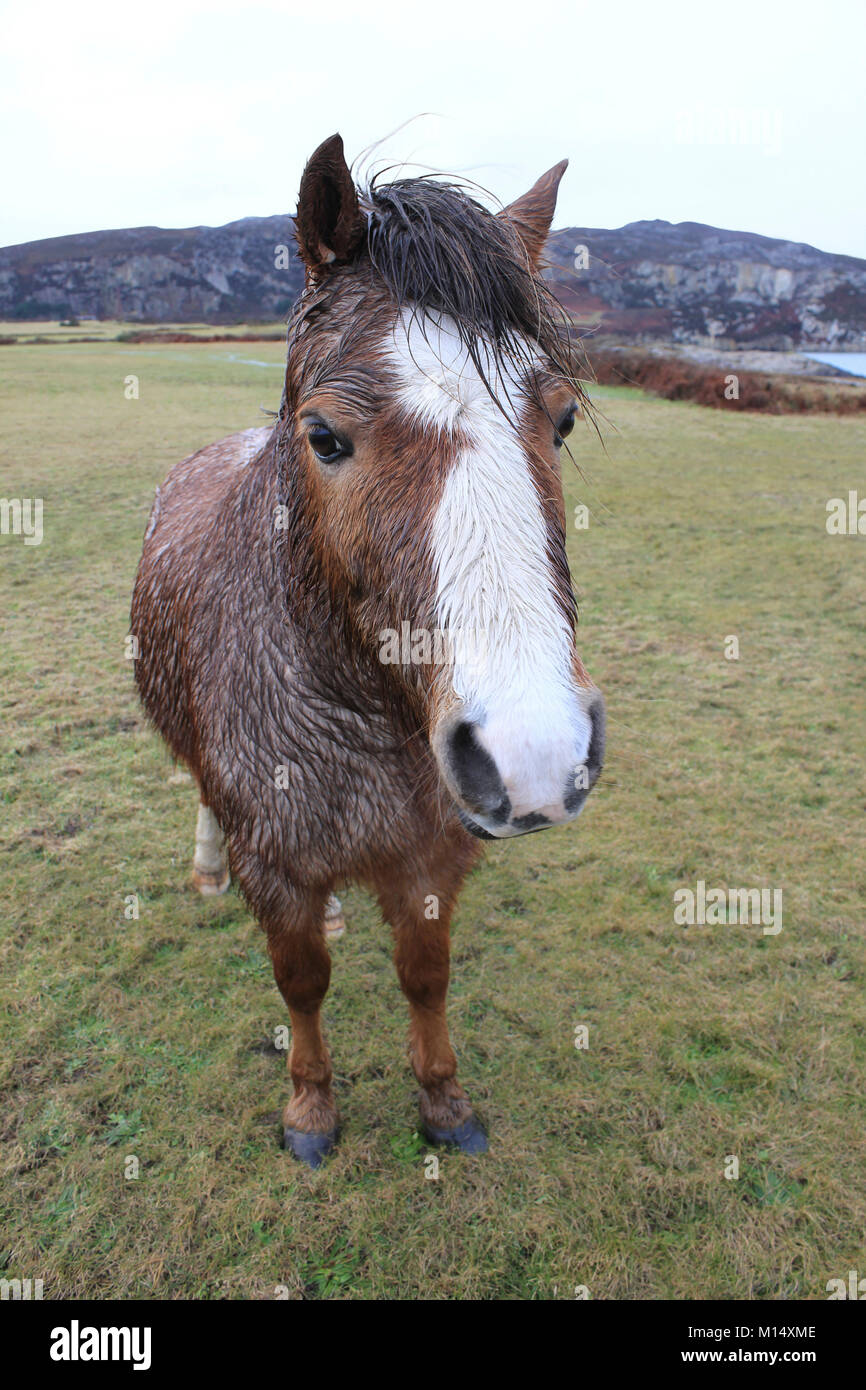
pixel 329 225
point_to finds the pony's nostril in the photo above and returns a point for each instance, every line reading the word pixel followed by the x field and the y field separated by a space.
pixel 595 753
pixel 574 796
pixel 476 774
pixel 577 788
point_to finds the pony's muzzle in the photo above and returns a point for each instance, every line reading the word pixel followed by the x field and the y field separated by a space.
pixel 511 776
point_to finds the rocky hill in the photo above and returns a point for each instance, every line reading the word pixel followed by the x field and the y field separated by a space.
pixel 647 281
pixel 690 283
pixel 245 270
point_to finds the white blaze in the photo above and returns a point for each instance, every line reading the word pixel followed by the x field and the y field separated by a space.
pixel 512 666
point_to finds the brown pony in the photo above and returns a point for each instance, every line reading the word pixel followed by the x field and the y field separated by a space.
pixel 357 627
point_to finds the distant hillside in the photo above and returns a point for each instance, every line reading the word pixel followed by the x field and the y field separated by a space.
pixel 646 281
pixel 149 274
pixel 685 282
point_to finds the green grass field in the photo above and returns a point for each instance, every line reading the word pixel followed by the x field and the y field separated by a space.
pixel 153 1038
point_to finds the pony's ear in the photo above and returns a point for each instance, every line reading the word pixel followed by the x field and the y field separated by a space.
pixel 329 224
pixel 533 213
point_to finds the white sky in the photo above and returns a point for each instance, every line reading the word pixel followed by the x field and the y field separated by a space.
pixel 745 113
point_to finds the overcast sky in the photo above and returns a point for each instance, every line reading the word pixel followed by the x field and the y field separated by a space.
pixel 180 112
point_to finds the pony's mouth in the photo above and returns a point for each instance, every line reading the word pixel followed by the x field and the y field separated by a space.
pixel 473 827
pixel 509 832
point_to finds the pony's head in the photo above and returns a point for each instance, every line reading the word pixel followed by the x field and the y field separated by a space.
pixel 430 384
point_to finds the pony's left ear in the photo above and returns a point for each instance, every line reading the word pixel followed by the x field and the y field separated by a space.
pixel 533 213
pixel 329 224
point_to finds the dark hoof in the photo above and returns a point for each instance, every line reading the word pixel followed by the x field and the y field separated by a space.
pixel 468 1137
pixel 311 1149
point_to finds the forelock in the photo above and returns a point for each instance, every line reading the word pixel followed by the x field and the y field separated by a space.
pixel 434 251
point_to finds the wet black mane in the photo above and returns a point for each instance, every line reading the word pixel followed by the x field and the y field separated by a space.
pixel 436 250
pixel 440 251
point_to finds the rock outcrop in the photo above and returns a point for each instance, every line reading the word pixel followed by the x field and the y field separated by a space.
pixel 688 283
pixel 244 271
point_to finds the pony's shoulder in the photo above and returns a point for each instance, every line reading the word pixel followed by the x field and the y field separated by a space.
pixel 197 486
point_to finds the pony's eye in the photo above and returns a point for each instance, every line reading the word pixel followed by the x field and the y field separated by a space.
pixel 565 426
pixel 325 445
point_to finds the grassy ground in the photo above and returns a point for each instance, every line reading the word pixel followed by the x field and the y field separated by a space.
pixel 153 1037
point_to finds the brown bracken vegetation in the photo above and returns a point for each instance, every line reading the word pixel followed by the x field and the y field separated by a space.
pixel 675 379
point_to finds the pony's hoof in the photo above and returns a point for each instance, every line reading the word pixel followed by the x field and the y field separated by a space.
pixel 210 885
pixel 311 1149
pixel 469 1137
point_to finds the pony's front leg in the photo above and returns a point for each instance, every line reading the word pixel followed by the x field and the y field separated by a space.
pixel 422 958
pixel 302 969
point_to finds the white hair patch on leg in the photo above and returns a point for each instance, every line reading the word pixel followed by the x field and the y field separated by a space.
pixel 210 870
